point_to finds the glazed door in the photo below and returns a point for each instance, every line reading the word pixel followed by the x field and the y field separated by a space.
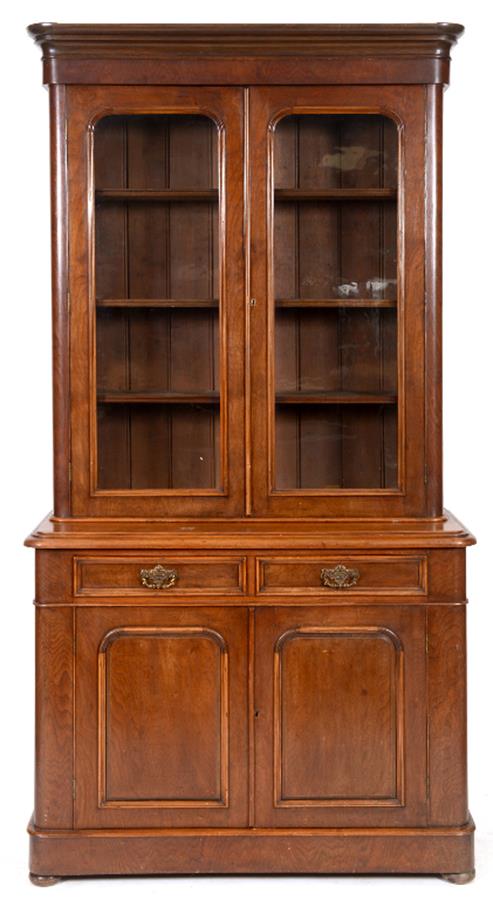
pixel 340 717
pixel 161 718
pixel 338 227
pixel 157 300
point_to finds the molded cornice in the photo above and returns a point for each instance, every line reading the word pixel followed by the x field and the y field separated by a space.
pixel 246 40
pixel 139 53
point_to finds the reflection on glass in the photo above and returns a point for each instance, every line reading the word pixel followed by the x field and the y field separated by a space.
pixel 335 278
pixel 156 280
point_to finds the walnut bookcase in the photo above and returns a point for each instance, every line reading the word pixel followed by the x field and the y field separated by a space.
pixel 250 602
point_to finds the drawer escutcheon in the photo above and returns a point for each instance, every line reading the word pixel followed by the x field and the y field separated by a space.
pixel 158 577
pixel 339 577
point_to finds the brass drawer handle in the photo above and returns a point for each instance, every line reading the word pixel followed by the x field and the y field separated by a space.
pixel 339 577
pixel 158 578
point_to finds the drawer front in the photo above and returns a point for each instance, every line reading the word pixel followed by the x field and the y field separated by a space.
pixel 340 574
pixel 158 575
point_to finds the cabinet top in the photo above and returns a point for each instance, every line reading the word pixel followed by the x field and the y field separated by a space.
pixel 135 54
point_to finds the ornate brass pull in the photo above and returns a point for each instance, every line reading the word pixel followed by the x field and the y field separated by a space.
pixel 339 577
pixel 158 578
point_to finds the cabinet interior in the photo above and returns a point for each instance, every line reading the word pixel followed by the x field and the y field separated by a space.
pixel 335 287
pixel 157 299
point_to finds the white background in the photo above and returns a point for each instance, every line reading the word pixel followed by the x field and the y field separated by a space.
pixel 25 399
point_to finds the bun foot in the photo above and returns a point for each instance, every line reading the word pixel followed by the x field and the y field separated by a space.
pixel 43 880
pixel 459 877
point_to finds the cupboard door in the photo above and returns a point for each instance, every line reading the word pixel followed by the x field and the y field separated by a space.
pixel 338 224
pixel 157 299
pixel 340 722
pixel 161 717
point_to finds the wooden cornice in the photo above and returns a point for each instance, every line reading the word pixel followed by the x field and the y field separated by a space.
pixel 246 40
pixel 136 53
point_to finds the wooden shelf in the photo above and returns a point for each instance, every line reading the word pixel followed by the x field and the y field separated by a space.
pixel 334 397
pixel 337 303
pixel 172 397
pixel 336 194
pixel 298 303
pixel 167 196
pixel 166 303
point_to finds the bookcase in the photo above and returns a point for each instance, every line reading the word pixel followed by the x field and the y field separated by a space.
pixel 250 602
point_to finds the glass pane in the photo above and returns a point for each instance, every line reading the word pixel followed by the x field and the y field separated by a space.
pixel 335 282
pixel 157 279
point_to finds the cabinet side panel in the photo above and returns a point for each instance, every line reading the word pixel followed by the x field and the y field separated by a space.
pixel 447 576
pixel 433 295
pixel 60 351
pixel 54 712
pixel 447 715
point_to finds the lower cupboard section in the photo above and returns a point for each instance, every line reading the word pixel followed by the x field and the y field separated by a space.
pixel 222 717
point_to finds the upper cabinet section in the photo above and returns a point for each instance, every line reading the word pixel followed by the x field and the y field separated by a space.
pixel 244 54
pixel 246 258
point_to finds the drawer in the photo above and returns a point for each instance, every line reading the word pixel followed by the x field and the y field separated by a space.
pixel 340 574
pixel 158 574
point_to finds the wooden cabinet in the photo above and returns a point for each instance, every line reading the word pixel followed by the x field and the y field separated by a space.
pixel 250 602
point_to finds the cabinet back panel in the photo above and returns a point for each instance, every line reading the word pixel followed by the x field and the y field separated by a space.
pixel 343 447
pixel 144 446
pixel 322 151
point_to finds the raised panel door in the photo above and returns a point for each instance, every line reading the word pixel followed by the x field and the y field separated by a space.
pixel 340 725
pixel 161 717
